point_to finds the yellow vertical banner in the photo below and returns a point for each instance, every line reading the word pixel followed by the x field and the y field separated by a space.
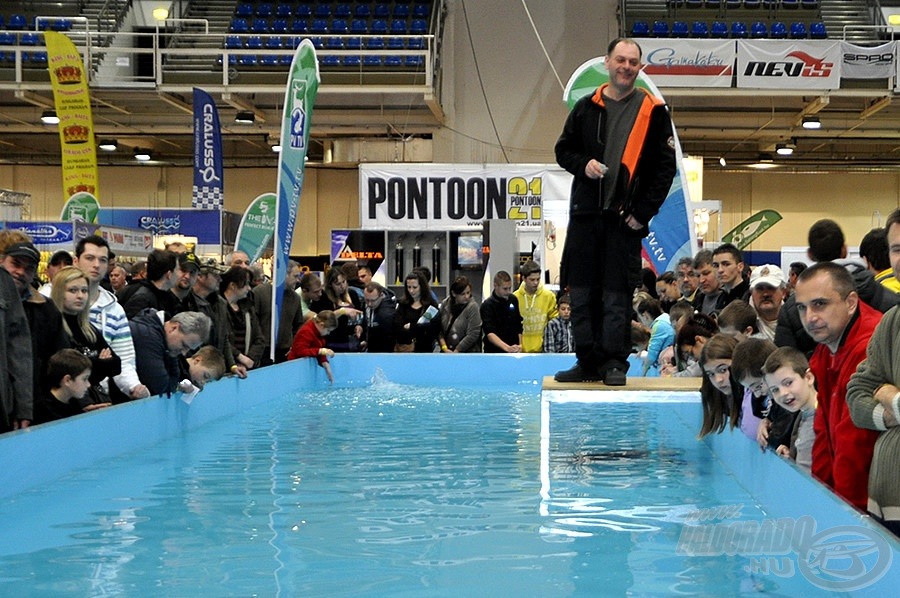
pixel 73 107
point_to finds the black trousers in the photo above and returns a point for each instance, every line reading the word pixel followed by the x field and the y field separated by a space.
pixel 601 266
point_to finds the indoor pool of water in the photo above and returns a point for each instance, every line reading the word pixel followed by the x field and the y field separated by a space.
pixel 392 490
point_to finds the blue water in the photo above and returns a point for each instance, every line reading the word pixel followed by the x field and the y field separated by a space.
pixel 389 490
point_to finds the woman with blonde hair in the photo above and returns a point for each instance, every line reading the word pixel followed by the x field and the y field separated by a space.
pixel 70 295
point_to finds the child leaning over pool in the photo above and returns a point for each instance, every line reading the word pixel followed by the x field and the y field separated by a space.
pixel 310 340
pixel 206 365
pixel 793 386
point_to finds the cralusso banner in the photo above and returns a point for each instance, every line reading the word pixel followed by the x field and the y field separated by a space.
pixel 868 62
pixel 770 64
pixel 207 192
pixel 299 97
pixel 672 233
pixel 689 62
pixel 456 196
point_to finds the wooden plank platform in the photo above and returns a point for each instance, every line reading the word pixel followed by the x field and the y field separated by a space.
pixel 632 383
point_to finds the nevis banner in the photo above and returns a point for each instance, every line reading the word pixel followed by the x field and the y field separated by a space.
pixel 456 196
pixel 772 64
pixel 73 107
pixel 257 226
pixel 207 190
pixel 689 62
pixel 299 97
pixel 868 62
pixel 672 233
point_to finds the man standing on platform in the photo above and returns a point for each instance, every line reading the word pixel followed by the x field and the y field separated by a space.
pixel 619 146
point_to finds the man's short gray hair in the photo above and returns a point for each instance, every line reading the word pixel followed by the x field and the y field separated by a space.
pixel 194 322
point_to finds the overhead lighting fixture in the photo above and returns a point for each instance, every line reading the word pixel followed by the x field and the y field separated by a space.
pixel 764 162
pixel 108 145
pixel 812 122
pixel 276 147
pixel 245 117
pixel 161 13
pixel 49 117
pixel 785 149
pixel 722 162
pixel 142 154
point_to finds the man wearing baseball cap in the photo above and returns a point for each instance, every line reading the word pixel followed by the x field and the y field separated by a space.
pixel 185 277
pixel 20 258
pixel 767 292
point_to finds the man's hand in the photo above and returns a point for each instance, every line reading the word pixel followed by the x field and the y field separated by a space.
pixel 140 392
pixel 595 170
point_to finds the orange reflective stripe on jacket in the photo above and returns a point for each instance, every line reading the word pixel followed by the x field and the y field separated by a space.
pixel 635 142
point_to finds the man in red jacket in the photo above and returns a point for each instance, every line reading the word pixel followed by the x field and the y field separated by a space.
pixel 841 324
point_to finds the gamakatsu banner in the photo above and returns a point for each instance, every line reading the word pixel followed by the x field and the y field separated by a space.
pixel 457 196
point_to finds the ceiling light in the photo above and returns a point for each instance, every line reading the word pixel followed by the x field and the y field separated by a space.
pixel 722 162
pixel 108 145
pixel 142 154
pixel 812 122
pixel 161 13
pixel 48 117
pixel 785 149
pixel 764 162
pixel 245 117
pixel 276 147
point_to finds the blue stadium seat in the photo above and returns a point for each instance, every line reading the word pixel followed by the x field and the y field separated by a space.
pixel 660 29
pixel 416 43
pixel 39 58
pixel 778 30
pixel 279 26
pixel 254 42
pixel 260 25
pixel 352 61
pixel 334 43
pixel 418 27
pixel 61 25
pixel 339 26
pixel 239 25
pixel 396 43
pixel 375 43
pixel 798 30
pixel 733 4
pixel 415 61
pixel 303 11
pixel 759 30
pixel 269 60
pixel 790 4
pixel 233 42
pixel 718 29
pixel 381 10
pixel 284 10
pixel 318 26
pixel 343 11
pixel 694 3
pixel 330 61
pixel 274 42
pixel 362 11
pixel 817 30
pixel 323 11
pixel 640 29
pixel 318 41
pixel 264 10
pixel 299 26
pixel 712 3
pixel 393 61
pixel 2 22
pixel 30 39
pixel 248 60
pixel 398 27
pixel 809 4
pixel 401 11
pixel 244 10
pixel 359 26
pixel 378 27
pixel 680 29
pixel 770 4
pixel 421 11
pixel 372 60
pixel 699 29
pixel 751 4
pixel 353 43
pixel 7 39
pixel 739 30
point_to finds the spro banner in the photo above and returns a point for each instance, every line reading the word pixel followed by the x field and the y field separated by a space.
pixel 770 64
pixel 207 191
pixel 868 62
pixel 689 62
pixel 456 196
pixel 73 107
pixel 672 233
pixel 299 97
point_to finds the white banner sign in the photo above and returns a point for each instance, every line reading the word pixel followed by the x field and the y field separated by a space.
pixel 456 196
pixel 689 62
pixel 867 62
pixel 769 64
